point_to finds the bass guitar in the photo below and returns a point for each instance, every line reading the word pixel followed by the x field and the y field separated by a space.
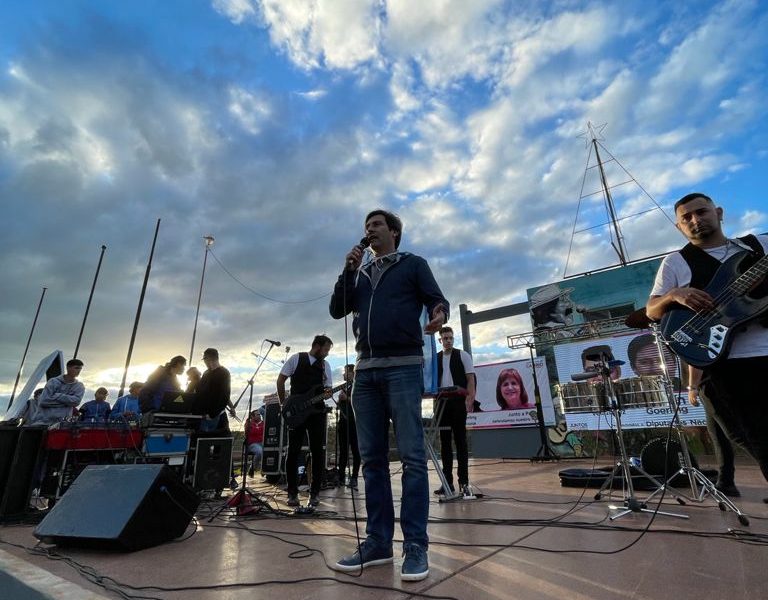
pixel 701 338
pixel 297 408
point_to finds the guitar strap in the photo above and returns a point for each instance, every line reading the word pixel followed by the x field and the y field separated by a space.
pixel 703 266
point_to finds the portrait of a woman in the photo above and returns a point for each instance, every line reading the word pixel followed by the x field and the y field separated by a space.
pixel 510 391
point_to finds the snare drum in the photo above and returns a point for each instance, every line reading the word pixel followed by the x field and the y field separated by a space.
pixel 581 396
pixel 646 391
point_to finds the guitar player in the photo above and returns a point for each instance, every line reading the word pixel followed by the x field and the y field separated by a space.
pixel 734 386
pixel 307 371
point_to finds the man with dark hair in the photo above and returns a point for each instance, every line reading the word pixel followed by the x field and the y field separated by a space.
pixel 594 356
pixel 214 390
pixel 387 297
pixel 309 373
pixel 731 385
pixel 98 409
pixel 455 368
pixel 60 396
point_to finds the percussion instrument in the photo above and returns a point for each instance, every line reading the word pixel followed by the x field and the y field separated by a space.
pixel 646 391
pixel 582 396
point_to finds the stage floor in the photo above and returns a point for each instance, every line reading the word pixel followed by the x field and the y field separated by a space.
pixel 526 538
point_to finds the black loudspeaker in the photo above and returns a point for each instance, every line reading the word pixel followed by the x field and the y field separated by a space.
pixel 120 507
pixel 20 473
pixel 213 463
pixel 9 438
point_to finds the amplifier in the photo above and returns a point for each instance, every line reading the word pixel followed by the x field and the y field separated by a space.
pixel 166 442
pixel 171 421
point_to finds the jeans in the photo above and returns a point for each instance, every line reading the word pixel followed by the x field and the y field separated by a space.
pixel 256 450
pixel 726 467
pixel 380 395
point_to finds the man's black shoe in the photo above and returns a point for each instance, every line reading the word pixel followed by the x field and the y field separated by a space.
pixel 729 489
pixel 441 492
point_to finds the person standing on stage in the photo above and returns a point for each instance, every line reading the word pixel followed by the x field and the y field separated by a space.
pixel 162 380
pixel 214 390
pixel 455 368
pixel 387 297
pixel 346 432
pixel 127 407
pixel 60 395
pixel 96 410
pixel 309 372
pixel 731 386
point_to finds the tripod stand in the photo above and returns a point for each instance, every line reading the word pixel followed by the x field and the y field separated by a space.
pixel 245 501
pixel 430 438
pixel 701 486
pixel 631 502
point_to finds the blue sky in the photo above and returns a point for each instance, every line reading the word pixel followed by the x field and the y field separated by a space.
pixel 277 125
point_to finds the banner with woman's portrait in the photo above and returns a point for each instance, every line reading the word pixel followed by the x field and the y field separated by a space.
pixel 505 395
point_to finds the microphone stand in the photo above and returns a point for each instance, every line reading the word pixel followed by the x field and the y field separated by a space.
pixel 631 502
pixel 246 501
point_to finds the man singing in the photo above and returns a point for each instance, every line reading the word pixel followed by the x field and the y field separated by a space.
pixel 731 387
pixel 387 297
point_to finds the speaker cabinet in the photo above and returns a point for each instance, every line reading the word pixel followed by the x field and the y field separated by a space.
pixel 120 507
pixel 17 476
pixel 213 463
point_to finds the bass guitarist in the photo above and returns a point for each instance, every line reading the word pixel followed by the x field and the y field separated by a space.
pixel 733 386
pixel 308 371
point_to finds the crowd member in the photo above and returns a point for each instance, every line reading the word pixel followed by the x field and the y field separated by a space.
pixel 387 297
pixel 729 385
pixel 455 368
pixel 128 406
pixel 308 372
pixel 96 410
pixel 61 395
pixel 163 379
pixel 346 432
pixel 254 439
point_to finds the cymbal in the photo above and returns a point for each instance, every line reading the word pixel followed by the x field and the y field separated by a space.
pixel 638 319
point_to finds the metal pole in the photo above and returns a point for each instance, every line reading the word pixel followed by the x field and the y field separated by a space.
pixel 26 349
pixel 620 250
pixel 90 297
pixel 138 311
pixel 208 243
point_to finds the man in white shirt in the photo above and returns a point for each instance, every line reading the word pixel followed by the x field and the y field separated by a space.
pixel 455 368
pixel 732 386
pixel 308 371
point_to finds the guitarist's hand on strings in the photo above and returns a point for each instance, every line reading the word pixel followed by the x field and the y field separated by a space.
pixel 691 297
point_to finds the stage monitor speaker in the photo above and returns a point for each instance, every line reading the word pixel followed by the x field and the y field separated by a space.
pixel 20 478
pixel 213 463
pixel 120 507
pixel 9 438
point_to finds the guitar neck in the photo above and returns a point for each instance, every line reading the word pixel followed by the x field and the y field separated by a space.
pixel 744 282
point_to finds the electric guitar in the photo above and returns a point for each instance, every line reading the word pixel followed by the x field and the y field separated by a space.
pixel 297 408
pixel 701 338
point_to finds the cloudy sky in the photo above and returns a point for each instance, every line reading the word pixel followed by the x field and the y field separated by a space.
pixel 276 125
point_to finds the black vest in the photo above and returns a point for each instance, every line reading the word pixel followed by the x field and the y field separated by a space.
pixel 703 266
pixel 306 376
pixel 456 366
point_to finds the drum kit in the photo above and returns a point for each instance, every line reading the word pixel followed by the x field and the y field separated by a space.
pixel 594 391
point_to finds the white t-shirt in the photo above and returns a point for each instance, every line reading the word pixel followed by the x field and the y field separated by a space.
pixel 290 366
pixel 674 272
pixel 466 360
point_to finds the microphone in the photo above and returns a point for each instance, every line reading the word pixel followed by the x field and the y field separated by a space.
pixel 273 342
pixel 584 376
pixel 363 244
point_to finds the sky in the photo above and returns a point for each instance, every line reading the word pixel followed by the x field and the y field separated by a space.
pixel 277 125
